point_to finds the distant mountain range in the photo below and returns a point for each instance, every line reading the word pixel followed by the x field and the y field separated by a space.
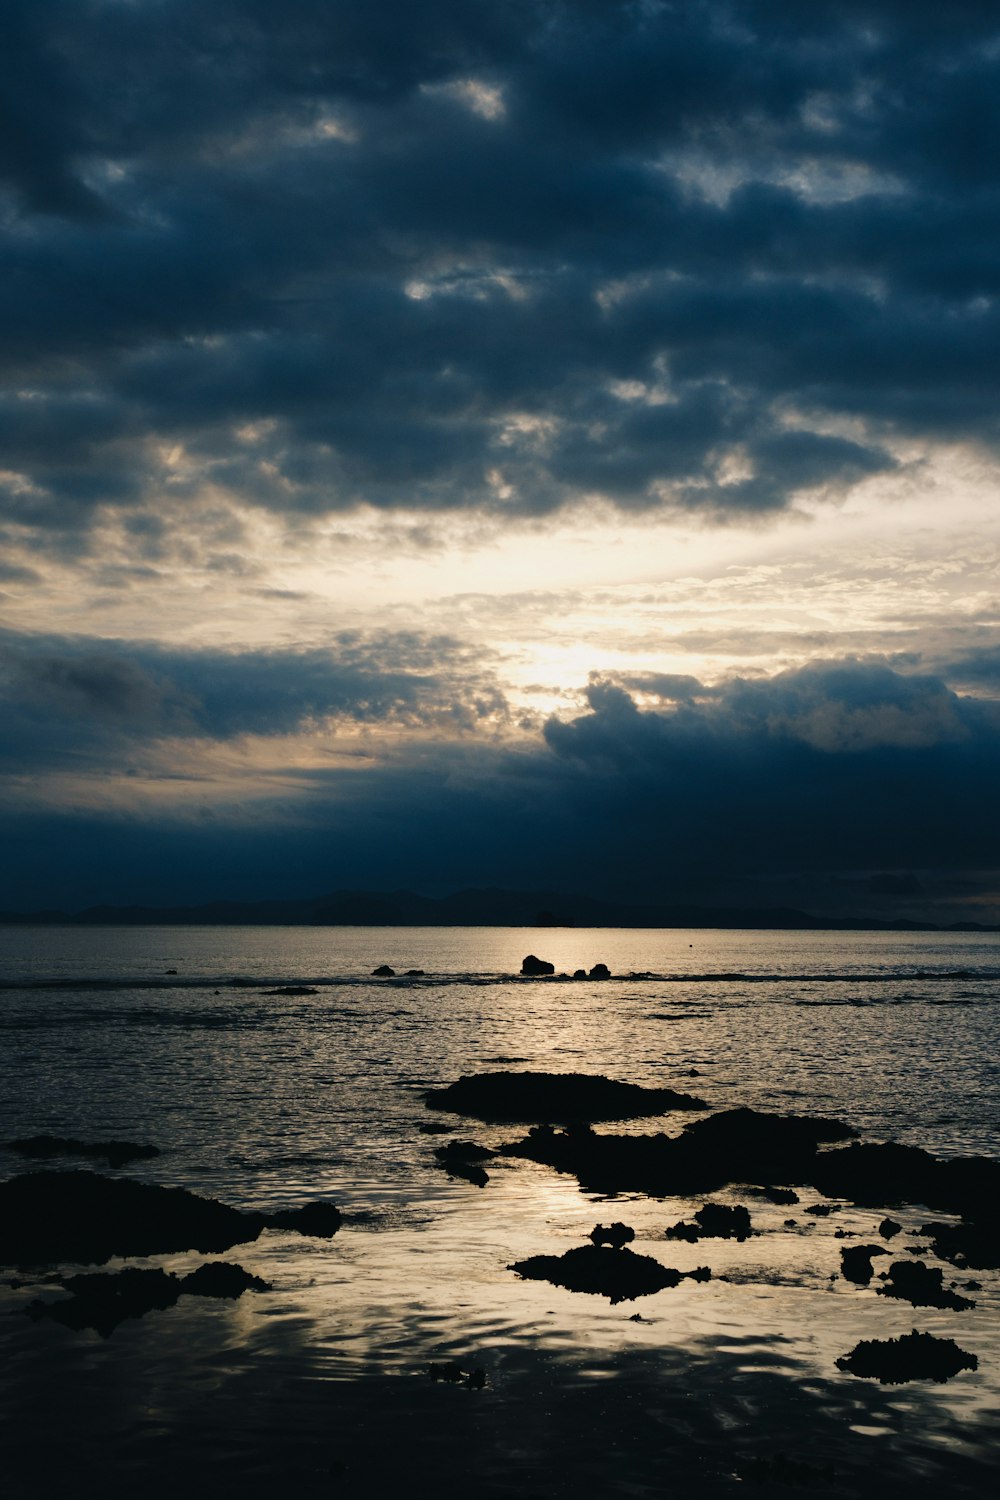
pixel 476 908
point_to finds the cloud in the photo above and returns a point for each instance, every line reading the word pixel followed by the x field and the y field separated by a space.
pixel 441 257
pixel 753 791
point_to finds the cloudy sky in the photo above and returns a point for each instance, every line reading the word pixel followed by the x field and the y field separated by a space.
pixel 501 442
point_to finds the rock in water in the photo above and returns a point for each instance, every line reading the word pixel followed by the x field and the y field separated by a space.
pixel 535 967
pixel 915 1356
pixel 563 1097
pixel 619 1275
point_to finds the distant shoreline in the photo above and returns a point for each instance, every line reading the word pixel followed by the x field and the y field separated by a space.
pixel 474 908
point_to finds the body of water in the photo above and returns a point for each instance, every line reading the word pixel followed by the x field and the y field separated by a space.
pixel 169 1035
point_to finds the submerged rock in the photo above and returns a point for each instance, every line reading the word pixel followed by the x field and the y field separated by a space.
pixel 620 1275
pixel 856 1263
pixel 455 1373
pixel 82 1217
pixel 462 1159
pixel 554 1096
pixel 221 1278
pixel 115 1153
pixel 293 989
pixel 922 1285
pixel 535 968
pixel 915 1356
pixel 714 1221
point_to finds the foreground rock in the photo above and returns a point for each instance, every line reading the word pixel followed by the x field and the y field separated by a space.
pixel 915 1356
pixel 563 1097
pixel 618 1274
pixel 535 968
pixel 82 1217
pixel 115 1153
pixel 103 1299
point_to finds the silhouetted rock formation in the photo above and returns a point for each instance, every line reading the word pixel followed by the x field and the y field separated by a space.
pixel 620 1275
pixel 82 1217
pixel 103 1299
pixel 383 972
pixel 523 1097
pixel 616 1235
pixel 714 1221
pixel 534 967
pixel 600 971
pixel 888 1228
pixel 915 1356
pixel 975 1244
pixel 856 1263
pixel 737 1145
pixel 115 1153
pixel 293 989
pixel 914 1282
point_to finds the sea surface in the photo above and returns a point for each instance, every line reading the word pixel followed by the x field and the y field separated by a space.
pixel 168 1035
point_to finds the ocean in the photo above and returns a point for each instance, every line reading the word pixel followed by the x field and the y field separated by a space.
pixel 169 1035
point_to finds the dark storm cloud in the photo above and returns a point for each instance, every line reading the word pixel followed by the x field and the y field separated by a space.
pixel 74 701
pixel 834 772
pixel 443 255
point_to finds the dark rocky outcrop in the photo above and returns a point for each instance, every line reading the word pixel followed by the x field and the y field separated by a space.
pixel 82 1217
pixel 889 1228
pixel 714 1221
pixel 115 1153
pixel 600 971
pixel 383 972
pixel 293 989
pixel 523 1097
pixel 618 1274
pixel 912 1281
pixel 535 968
pixel 915 1356
pixel 737 1145
pixel 616 1235
pixel 975 1243
pixel 856 1263
pixel 103 1299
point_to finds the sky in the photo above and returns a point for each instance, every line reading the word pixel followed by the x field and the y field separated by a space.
pixel 453 443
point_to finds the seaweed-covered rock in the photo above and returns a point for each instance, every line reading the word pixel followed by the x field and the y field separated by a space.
pixel 115 1153
pixel 915 1356
pixel 912 1281
pixel 620 1275
pixel 535 968
pixel 616 1235
pixel 714 1221
pixel 554 1096
pixel 82 1217
pixel 856 1263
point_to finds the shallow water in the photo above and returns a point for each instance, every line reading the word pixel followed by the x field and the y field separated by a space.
pixel 267 1099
